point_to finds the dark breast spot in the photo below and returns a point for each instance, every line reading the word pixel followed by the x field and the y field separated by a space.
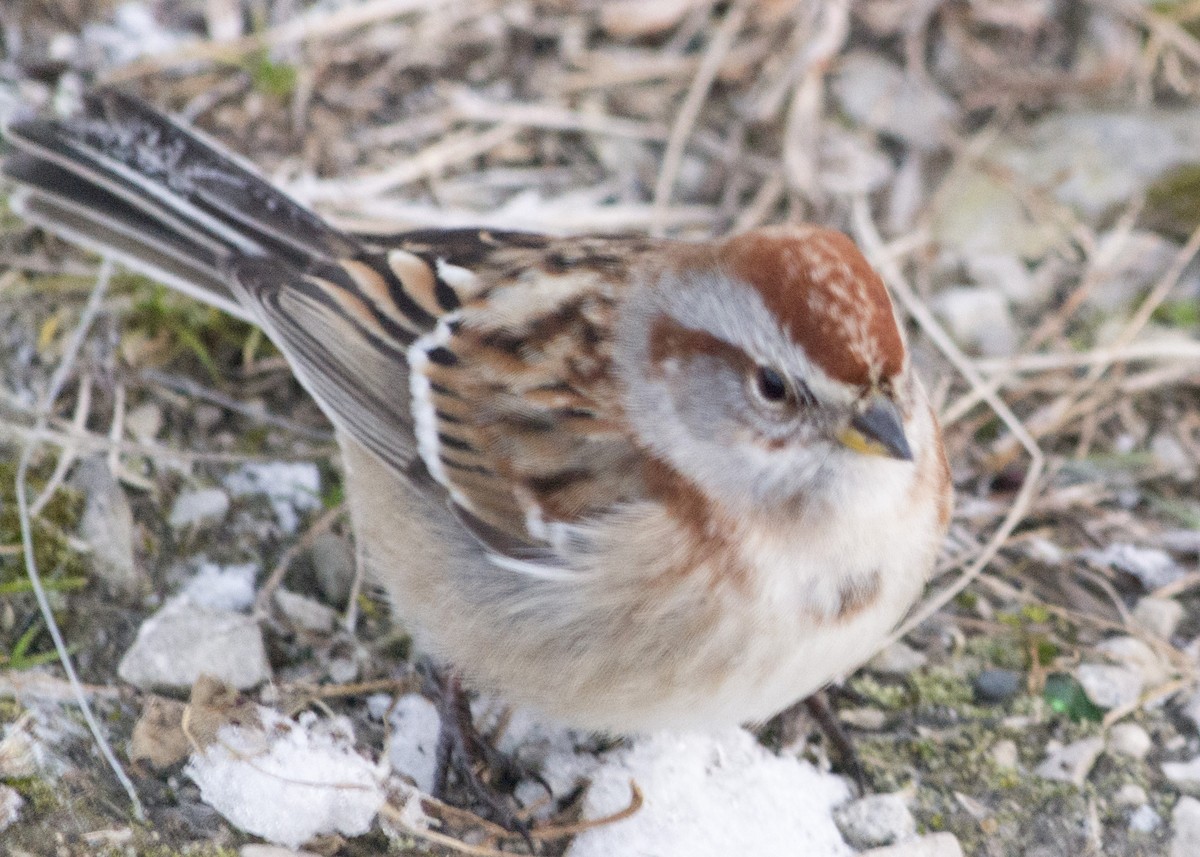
pixel 856 596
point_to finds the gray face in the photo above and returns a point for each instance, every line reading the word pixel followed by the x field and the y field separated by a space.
pixel 724 395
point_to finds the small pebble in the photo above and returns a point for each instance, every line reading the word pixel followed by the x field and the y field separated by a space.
pixel 876 820
pixel 898 659
pixel 869 719
pixel 144 422
pixel 107 527
pixel 1138 656
pixel 1159 616
pixel 1108 685
pixel 183 640
pixel 1131 794
pixel 203 508
pixel 933 845
pixel 1190 708
pixel 1184 775
pixel 1072 763
pixel 1144 819
pixel 1129 739
pixel 343 670
pixel 996 686
pixel 1185 822
pixel 978 318
pixel 1005 755
pixel 305 613
pixel 10 806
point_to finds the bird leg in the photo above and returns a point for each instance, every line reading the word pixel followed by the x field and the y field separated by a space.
pixel 485 772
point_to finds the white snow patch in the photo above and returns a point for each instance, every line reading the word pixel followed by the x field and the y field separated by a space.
pixel 222 587
pixel 412 744
pixel 711 796
pixel 291 487
pixel 289 781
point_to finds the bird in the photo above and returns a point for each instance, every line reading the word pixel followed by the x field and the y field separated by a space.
pixel 632 483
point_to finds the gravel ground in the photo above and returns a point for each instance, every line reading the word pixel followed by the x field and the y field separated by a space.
pixel 1026 175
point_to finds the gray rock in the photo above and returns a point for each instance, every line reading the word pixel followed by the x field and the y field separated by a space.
pixel 202 508
pixel 1109 685
pixel 978 318
pixel 996 686
pixel 182 640
pixel 1072 763
pixel 1171 456
pixel 1097 160
pixel 850 163
pixel 1131 794
pixel 1144 819
pixel 870 719
pixel 1159 616
pixel 1185 775
pixel 876 820
pixel 333 564
pixel 898 659
pixel 978 213
pixel 306 613
pixel 1136 655
pixel 107 527
pixel 877 93
pixel 1185 824
pixel 144 422
pixel 1005 755
pixel 1184 541
pixel 933 845
pixel 10 806
pixel 1129 739
pixel 1190 708
pixel 1006 274
pixel 1153 567
pixel 1134 262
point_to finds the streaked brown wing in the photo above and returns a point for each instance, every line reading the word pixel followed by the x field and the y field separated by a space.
pixel 516 404
pixel 509 402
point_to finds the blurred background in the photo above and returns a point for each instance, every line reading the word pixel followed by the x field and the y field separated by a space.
pixel 1024 173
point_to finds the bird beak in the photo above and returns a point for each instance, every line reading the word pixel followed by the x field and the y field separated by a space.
pixel 878 430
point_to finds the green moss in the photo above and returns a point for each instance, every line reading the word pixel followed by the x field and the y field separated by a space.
pixel 62 568
pixel 52 550
pixel 1184 314
pixel 1173 202
pixel 941 686
pixel 10 710
pixel 39 794
pixel 890 697
pixel 999 650
pixel 183 327
pixel 200 849
pixel 275 79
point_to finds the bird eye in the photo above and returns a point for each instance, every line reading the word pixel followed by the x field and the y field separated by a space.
pixel 771 387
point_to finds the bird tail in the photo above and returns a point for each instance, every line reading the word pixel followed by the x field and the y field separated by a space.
pixel 123 179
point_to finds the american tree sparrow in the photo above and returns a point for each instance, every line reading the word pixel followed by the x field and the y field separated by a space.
pixel 632 483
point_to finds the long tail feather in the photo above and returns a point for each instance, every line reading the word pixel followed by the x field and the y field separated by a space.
pixel 124 179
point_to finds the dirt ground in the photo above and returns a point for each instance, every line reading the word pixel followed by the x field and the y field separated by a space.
pixel 1024 173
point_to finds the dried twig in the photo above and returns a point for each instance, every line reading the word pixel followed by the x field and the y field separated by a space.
pixel 873 245
pixel 57 382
